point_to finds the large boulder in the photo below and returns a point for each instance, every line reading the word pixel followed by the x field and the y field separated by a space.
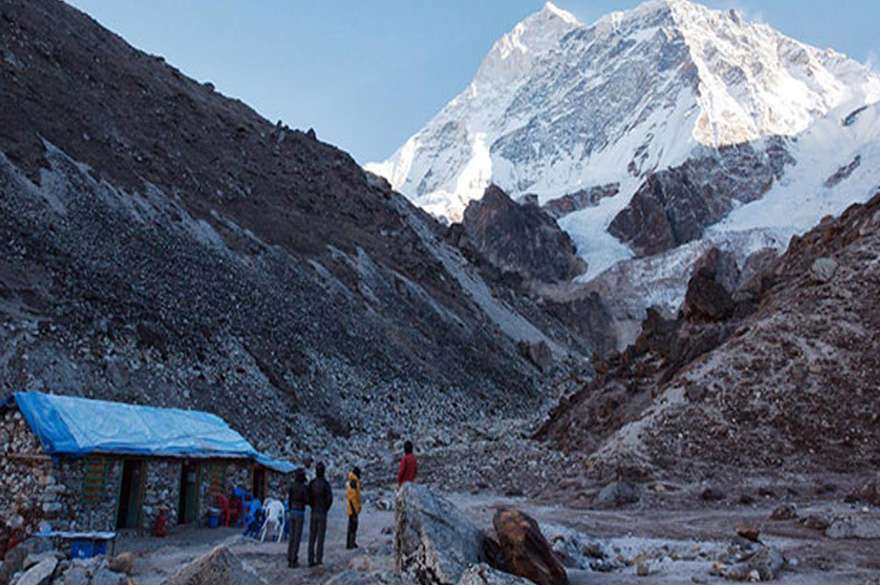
pixel 218 567
pixel 483 574
pixel 433 541
pixel 39 574
pixel 526 552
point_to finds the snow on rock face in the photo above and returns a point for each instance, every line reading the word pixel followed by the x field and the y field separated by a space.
pixel 558 106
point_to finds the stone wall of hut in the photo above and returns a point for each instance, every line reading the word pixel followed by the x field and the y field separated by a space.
pixel 161 490
pixel 26 473
pixel 82 493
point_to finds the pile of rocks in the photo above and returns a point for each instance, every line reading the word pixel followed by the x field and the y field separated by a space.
pixel 749 559
pixel 35 562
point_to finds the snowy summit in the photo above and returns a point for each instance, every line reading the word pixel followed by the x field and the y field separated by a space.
pixel 557 107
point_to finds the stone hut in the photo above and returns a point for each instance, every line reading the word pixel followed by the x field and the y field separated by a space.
pixel 83 464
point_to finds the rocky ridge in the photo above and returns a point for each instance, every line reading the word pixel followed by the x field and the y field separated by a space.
pixel 777 374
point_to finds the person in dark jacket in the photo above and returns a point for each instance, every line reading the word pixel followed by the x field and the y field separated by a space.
pixel 408 465
pixel 320 501
pixel 297 500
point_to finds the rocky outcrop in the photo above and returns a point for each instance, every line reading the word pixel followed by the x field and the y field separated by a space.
pixel 589 197
pixel 843 173
pixel 433 541
pixel 525 550
pixel 520 238
pixel 673 206
pixel 218 567
pixel 625 382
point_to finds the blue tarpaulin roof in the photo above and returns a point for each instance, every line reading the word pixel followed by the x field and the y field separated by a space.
pixel 68 425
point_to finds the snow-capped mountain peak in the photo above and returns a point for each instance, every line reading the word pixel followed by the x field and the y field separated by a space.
pixel 516 52
pixel 559 108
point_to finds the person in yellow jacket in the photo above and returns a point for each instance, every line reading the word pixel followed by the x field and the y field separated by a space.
pixel 353 496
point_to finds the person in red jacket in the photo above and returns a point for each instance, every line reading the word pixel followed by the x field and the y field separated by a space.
pixel 408 465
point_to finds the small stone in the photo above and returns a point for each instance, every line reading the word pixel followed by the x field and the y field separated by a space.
pixel 784 512
pixel 748 531
pixel 643 570
pixel 712 495
pixel 814 522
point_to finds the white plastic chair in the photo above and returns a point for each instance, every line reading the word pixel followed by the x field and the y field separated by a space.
pixel 274 511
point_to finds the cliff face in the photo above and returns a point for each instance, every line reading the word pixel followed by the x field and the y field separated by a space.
pixel 521 238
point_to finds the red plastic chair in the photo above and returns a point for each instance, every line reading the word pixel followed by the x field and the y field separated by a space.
pixel 225 509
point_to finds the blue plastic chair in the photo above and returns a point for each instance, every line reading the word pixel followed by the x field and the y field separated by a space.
pixel 253 521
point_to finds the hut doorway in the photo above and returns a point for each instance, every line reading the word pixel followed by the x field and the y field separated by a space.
pixel 259 487
pixel 131 495
pixel 188 509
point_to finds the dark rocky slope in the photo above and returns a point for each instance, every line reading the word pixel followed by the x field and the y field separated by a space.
pixel 523 239
pixel 165 244
pixel 779 374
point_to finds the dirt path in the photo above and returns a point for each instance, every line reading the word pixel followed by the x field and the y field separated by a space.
pixel 683 543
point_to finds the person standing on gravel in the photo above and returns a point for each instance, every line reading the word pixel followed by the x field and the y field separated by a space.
pixel 353 497
pixel 408 465
pixel 320 501
pixel 297 500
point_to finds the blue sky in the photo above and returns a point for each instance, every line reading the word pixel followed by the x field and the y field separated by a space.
pixel 368 74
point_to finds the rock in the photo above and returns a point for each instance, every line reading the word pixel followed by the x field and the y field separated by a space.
pixel 104 576
pixel 616 494
pixel 712 495
pixel 815 522
pixel 784 512
pixel 526 552
pixel 746 500
pixel 823 269
pixel 434 542
pixel 854 527
pixel 538 353
pixel 218 567
pixel 643 570
pixel 122 563
pixel 483 574
pixel 39 574
pixel 36 558
pixel 522 239
pixel 76 576
pixel 870 492
pixel 13 562
pixel 748 531
pixel 765 565
pixel 706 299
